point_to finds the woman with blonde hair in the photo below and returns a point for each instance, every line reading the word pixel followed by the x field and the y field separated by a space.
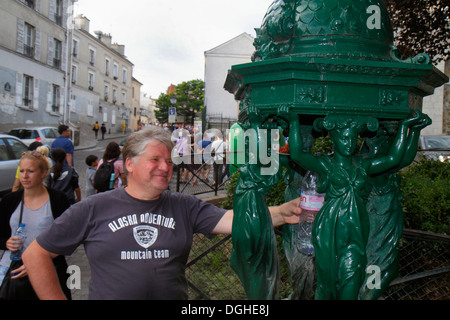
pixel 37 207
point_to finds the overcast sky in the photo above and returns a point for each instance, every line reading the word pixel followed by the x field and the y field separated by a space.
pixel 166 39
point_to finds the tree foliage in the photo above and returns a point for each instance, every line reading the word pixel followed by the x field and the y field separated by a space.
pixel 190 96
pixel 421 26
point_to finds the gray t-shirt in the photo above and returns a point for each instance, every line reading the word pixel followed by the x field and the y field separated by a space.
pixel 136 249
pixel 36 221
pixel 90 174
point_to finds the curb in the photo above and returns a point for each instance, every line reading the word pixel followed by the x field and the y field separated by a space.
pixel 93 143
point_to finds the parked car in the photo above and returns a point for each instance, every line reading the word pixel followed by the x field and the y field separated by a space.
pixel 11 149
pixel 435 147
pixel 45 135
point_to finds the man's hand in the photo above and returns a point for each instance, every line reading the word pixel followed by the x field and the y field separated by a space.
pixel 287 213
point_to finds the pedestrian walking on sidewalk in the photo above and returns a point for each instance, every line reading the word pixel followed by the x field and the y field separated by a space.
pixel 103 129
pixel 64 142
pixel 96 128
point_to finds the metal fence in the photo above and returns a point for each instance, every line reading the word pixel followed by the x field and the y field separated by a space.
pixel 424 270
pixel 195 179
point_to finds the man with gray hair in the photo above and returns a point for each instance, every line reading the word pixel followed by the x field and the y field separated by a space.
pixel 137 239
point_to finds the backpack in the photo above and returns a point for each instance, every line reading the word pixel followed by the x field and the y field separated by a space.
pixel 102 178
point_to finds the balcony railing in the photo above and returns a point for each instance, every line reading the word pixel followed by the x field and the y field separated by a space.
pixel 57 63
pixel 58 19
pixel 28 51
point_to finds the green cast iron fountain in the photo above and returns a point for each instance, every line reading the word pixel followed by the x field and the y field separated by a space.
pixel 327 67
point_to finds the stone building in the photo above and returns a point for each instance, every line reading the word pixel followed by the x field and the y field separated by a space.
pixel 220 104
pixel 42 45
pixel 32 62
pixel 101 79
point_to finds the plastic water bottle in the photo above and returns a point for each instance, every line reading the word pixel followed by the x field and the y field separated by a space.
pixel 111 181
pixel 22 234
pixel 311 202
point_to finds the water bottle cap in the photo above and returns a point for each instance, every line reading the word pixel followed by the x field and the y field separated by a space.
pixel 22 225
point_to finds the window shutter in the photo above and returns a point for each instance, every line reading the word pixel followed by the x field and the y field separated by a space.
pixel 52 10
pixel 19 89
pixel 37 45
pixel 36 94
pixel 63 56
pixel 48 108
pixel 37 5
pixel 50 54
pixel 20 35
pixel 61 101
pixel 65 16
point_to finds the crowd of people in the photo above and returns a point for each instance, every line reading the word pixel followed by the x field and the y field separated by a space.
pixel 139 231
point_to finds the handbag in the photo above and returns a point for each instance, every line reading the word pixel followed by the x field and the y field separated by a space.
pixel 16 289
pixel 21 288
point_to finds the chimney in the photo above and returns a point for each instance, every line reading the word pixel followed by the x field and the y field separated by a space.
pixel 120 48
pixel 81 22
pixel 106 39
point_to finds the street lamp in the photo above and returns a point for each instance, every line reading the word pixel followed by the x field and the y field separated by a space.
pixel 173 101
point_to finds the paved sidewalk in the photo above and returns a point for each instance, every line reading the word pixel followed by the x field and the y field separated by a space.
pixel 92 143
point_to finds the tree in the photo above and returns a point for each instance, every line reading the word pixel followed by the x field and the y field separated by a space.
pixel 421 26
pixel 162 108
pixel 190 96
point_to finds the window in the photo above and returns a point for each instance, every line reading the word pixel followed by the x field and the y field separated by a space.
pixel 107 67
pixel 17 148
pixel 57 53
pixel 116 71
pixel 74 74
pixel 91 81
pixel 114 96
pixel 30 34
pixel 50 133
pixel 75 47
pixel 106 92
pixel 28 91
pixel 124 98
pixel 30 3
pixel 124 76
pixel 59 12
pixel 92 57
pixel 56 103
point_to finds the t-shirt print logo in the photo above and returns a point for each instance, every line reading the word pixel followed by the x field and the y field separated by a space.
pixel 145 235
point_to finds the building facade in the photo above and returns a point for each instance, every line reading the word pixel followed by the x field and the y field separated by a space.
pixel 437 106
pixel 148 105
pixel 135 118
pixel 38 52
pixel 32 62
pixel 219 103
pixel 100 79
